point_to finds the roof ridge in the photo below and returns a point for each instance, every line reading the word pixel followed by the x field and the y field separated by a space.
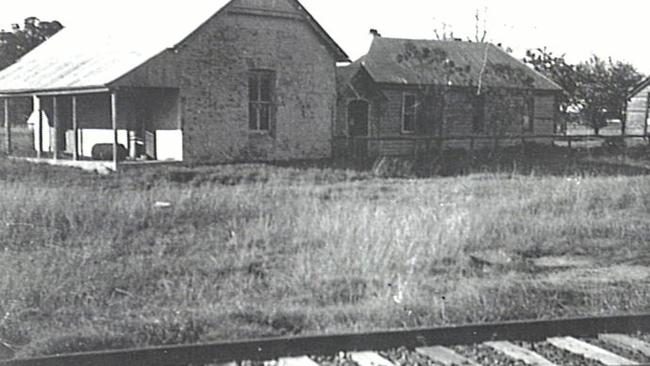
pixel 527 67
pixel 418 66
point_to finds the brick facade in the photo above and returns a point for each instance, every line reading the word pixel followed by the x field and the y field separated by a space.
pixel 211 69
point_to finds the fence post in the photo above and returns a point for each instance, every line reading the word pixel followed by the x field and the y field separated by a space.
pixel 7 126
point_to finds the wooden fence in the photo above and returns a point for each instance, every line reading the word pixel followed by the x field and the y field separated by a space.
pixel 366 147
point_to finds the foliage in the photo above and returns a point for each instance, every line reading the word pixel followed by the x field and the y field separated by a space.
pixel 603 88
pixel 507 89
pixel 557 69
pixel 598 87
pixel 19 41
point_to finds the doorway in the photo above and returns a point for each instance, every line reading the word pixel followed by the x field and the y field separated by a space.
pixel 358 111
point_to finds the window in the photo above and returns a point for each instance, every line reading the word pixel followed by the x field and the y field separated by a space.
pixel 529 116
pixel 478 119
pixel 261 85
pixel 409 113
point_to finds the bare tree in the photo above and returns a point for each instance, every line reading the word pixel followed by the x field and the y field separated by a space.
pixel 480 26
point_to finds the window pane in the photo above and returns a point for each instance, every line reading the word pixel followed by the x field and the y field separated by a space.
pixel 253 87
pixel 410 110
pixel 409 102
pixel 265 88
pixel 265 117
pixel 409 123
pixel 526 123
pixel 252 116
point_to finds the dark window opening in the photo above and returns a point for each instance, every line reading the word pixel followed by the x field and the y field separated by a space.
pixel 409 113
pixel 529 116
pixel 478 120
pixel 260 91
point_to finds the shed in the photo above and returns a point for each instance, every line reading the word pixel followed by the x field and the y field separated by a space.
pixel 638 109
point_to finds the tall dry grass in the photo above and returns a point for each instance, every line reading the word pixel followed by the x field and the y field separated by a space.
pixel 90 262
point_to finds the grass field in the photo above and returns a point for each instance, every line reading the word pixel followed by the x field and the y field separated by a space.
pixel 194 254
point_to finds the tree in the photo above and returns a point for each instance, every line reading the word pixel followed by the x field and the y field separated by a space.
pixel 19 41
pixel 603 88
pixel 557 69
pixel 598 87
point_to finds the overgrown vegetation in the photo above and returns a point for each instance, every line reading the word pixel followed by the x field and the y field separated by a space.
pixel 193 254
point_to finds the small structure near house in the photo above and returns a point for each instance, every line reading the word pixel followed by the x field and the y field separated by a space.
pixel 404 89
pixel 638 109
pixel 245 80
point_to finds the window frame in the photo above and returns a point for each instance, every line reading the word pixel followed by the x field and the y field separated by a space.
pixel 414 111
pixel 257 104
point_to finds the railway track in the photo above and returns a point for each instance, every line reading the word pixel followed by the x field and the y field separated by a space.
pixel 611 341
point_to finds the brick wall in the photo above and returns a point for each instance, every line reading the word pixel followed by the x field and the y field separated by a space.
pixel 214 68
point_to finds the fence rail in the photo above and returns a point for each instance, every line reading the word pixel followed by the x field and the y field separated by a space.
pixel 492 137
pixel 362 146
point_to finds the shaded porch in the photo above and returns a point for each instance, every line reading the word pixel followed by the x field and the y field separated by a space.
pixel 111 126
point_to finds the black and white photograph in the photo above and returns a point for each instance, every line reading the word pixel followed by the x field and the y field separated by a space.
pixel 324 183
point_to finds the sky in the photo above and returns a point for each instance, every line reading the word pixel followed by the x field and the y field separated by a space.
pixel 577 28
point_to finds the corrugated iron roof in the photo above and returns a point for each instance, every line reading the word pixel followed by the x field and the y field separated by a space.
pixel 454 63
pixel 91 57
pixel 97 55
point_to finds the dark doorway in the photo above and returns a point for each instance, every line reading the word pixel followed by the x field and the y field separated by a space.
pixel 358 126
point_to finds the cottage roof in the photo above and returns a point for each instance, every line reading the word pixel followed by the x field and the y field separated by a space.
pixel 95 57
pixel 641 86
pixel 454 63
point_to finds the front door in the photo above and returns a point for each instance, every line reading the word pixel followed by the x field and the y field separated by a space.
pixel 358 126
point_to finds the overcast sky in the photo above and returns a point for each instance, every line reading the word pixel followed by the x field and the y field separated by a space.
pixel 578 28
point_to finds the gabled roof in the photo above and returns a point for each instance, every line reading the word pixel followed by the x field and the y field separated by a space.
pixel 453 63
pixel 639 88
pixel 97 56
pixel 355 79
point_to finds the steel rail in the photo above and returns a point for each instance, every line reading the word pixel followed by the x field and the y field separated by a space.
pixel 274 348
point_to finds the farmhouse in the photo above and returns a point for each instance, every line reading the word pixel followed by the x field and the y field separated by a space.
pixel 406 89
pixel 245 80
pixel 638 109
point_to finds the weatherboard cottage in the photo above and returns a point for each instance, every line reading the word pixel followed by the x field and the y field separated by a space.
pixel 403 89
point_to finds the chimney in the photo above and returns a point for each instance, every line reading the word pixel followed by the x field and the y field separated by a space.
pixel 375 33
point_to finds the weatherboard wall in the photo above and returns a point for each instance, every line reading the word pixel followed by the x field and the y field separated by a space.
pixel 637 112
pixel 446 113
